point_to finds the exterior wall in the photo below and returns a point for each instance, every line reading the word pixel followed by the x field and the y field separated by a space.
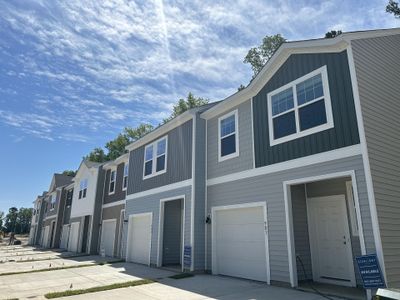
pixel 151 203
pixel 94 228
pixel 84 206
pixel 179 153
pixel 377 65
pixel 245 159
pixel 60 217
pixel 114 212
pixel 344 133
pixel 67 210
pixel 119 194
pixel 269 188
pixel 53 212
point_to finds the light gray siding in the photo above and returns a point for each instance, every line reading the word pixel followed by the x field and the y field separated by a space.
pixel 269 188
pixel 245 159
pixel 179 157
pixel 151 203
pixel 377 64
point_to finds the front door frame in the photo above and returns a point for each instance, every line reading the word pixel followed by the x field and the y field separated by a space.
pixel 313 243
pixel 161 229
pixel 289 216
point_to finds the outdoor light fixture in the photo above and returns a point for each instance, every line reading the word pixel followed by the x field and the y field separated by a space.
pixel 208 219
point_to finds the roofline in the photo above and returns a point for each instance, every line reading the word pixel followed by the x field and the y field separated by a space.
pixel 336 44
pixel 121 159
pixel 161 130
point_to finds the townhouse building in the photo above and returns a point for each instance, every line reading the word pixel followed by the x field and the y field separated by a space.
pixel 37 220
pixel 85 212
pixel 113 207
pixel 68 196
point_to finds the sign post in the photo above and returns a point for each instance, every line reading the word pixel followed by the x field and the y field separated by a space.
pixel 187 257
pixel 370 271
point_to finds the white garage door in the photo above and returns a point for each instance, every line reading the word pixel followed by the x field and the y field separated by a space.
pixel 45 242
pixel 73 237
pixel 108 236
pixel 239 239
pixel 64 237
pixel 139 238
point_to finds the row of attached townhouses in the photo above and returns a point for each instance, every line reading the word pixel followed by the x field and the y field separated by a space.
pixel 301 168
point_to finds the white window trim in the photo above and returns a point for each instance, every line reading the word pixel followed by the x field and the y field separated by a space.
pixel 87 183
pixel 127 176
pixel 328 108
pixel 155 156
pixel 236 153
pixel 115 181
pixel 352 208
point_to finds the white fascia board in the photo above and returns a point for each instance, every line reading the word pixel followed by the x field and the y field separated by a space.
pixel 160 131
pixel 322 45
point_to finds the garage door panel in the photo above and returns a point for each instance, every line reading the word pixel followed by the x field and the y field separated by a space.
pixel 108 237
pixel 73 237
pixel 240 243
pixel 139 238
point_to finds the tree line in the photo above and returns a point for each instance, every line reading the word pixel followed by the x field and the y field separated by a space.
pixel 16 220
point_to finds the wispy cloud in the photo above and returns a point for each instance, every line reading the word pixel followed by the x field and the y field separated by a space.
pixel 88 67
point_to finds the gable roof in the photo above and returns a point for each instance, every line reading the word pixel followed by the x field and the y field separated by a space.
pixel 59 180
pixel 321 45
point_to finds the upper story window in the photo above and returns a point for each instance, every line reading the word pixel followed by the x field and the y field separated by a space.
pixel 69 197
pixel 125 180
pixel 53 202
pixel 155 158
pixel 83 188
pixel 228 138
pixel 113 175
pixel 300 108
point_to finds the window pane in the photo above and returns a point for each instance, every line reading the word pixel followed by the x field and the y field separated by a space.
pixel 228 125
pixel 282 101
pixel 161 147
pixel 80 194
pixel 112 186
pixel 126 170
pixel 312 115
pixel 112 175
pixel 125 182
pixel 160 163
pixel 228 145
pixel 84 193
pixel 309 89
pixel 149 153
pixel 148 167
pixel 284 125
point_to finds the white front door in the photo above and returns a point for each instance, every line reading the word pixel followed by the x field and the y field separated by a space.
pixel 108 236
pixel 332 258
pixel 139 238
pixel 73 240
pixel 239 242
pixel 64 237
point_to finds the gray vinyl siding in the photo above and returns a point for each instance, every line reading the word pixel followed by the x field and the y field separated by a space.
pixel 269 188
pixel 114 212
pixel 119 194
pixel 377 65
pixel 344 133
pixel 67 210
pixel 245 159
pixel 179 156
pixel 151 203
pixel 94 228
pixel 56 207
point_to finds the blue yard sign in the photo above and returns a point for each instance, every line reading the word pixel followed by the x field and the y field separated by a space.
pixel 187 256
pixel 370 271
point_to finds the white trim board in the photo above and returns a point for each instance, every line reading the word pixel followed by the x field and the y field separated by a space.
pixel 287 165
pixel 160 189
pixel 289 215
pixel 193 195
pixel 112 204
pixel 215 209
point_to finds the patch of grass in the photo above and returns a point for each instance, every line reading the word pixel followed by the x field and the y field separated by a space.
pixel 97 289
pixel 63 268
pixel 181 276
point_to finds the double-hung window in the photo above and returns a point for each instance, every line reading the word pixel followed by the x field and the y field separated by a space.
pixel 228 139
pixel 83 188
pixel 300 108
pixel 155 158
pixel 69 197
pixel 125 180
pixel 113 175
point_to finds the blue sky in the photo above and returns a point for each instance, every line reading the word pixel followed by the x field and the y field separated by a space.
pixel 74 73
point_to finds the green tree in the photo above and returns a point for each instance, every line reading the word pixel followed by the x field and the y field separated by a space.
pixel 24 217
pixel 258 56
pixel 116 147
pixel 1 219
pixel 185 104
pixel 241 87
pixel 10 223
pixel 332 34
pixel 69 173
pixel 393 8
pixel 136 133
pixel 96 155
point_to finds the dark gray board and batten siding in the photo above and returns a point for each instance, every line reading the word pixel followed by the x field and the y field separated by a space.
pixel 377 64
pixel 345 131
pixel 179 158
pixel 118 194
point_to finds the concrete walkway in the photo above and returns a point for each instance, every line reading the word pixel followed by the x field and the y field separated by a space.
pixel 201 287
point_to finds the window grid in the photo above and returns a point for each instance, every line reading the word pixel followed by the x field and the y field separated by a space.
pixel 126 172
pixel 112 182
pixel 155 155
pixel 224 133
